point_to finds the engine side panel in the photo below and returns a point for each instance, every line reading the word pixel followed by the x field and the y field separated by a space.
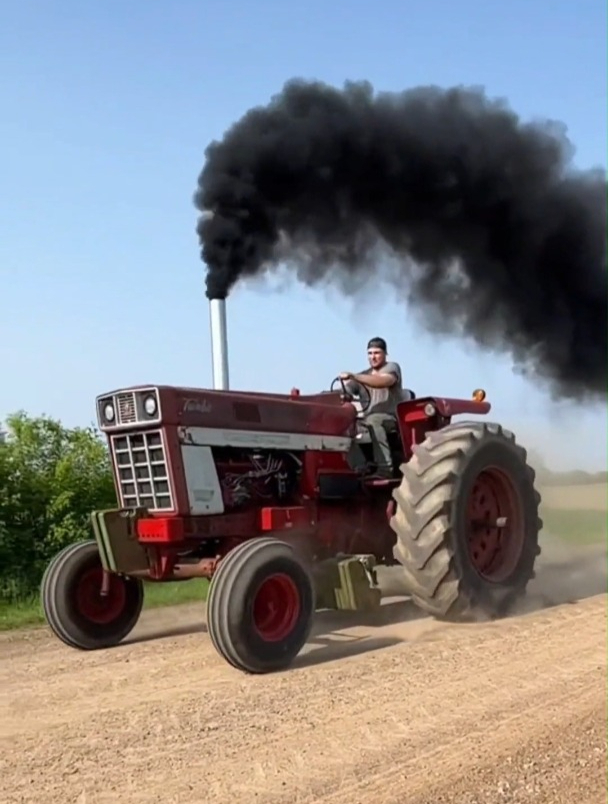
pixel 321 415
pixel 202 481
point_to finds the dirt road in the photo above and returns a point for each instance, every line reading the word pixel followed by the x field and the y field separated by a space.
pixel 412 711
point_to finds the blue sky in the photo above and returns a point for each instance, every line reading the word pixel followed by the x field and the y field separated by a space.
pixel 105 113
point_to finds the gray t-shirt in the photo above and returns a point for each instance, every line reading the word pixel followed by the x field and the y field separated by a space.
pixel 383 400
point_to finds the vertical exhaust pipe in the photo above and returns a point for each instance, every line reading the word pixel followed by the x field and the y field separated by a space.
pixel 219 344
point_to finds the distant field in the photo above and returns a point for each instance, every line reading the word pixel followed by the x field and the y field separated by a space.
pixel 592 497
pixel 576 514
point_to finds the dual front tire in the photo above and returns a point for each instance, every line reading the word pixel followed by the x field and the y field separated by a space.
pixel 260 607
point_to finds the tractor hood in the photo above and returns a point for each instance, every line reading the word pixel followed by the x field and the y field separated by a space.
pixel 318 414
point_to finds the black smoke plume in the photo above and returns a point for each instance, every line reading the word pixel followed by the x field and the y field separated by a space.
pixel 475 217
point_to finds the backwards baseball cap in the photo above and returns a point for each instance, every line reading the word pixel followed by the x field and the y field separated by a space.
pixel 377 343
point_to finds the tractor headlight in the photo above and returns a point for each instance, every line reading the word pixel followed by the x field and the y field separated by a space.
pixel 108 412
pixel 430 409
pixel 150 405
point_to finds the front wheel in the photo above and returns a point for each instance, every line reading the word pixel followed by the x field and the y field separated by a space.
pixel 74 607
pixel 261 606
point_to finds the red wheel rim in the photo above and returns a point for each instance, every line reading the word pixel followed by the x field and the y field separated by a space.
pixel 95 607
pixel 276 608
pixel 495 534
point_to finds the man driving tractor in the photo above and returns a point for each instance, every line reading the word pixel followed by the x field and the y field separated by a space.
pixel 382 382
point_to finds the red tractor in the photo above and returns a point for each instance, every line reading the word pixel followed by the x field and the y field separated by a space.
pixel 257 492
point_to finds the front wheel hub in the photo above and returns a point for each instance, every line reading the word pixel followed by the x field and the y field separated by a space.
pixel 100 599
pixel 276 607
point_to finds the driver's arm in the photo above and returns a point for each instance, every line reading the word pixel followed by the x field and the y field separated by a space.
pixel 386 379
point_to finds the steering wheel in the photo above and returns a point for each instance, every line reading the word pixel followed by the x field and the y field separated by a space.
pixel 347 396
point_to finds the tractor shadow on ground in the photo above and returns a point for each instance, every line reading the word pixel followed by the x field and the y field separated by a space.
pixel 149 631
pixel 331 641
pixel 327 632
pixel 564 575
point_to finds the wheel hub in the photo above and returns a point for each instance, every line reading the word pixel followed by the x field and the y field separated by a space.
pixel 276 608
pixel 97 607
pixel 495 536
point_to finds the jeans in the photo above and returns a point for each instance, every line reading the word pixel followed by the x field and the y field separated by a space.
pixel 380 425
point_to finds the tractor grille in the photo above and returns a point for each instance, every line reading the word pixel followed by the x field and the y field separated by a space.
pixel 142 471
pixel 126 410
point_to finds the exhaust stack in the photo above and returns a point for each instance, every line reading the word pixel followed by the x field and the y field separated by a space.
pixel 219 344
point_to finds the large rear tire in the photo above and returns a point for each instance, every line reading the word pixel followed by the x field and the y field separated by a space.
pixel 462 483
pixel 261 606
pixel 73 606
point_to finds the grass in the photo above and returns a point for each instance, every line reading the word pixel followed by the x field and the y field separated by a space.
pixel 574 526
pixel 28 613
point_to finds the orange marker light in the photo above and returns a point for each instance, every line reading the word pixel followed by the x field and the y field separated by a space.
pixel 479 395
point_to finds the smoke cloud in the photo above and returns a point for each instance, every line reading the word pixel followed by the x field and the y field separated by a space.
pixel 475 218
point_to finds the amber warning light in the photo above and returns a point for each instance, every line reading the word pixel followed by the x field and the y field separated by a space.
pixel 479 395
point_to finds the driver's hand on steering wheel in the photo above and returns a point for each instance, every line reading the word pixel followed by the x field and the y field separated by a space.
pixel 346 375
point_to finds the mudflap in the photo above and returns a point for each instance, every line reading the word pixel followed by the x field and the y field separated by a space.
pixel 347 583
pixel 116 537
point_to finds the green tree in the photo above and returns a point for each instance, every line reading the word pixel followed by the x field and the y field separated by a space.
pixel 51 478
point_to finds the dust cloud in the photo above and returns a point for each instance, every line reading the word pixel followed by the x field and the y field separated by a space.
pixel 565 573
